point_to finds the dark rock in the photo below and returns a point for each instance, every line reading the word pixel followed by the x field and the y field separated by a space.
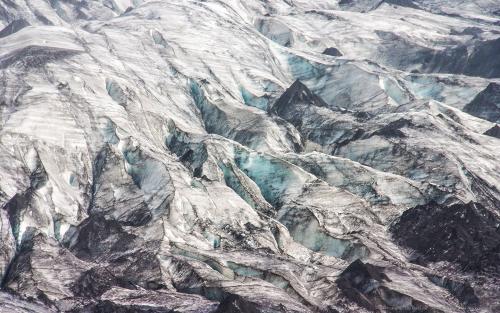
pixel 236 304
pixel 96 281
pixel 15 207
pixel 467 234
pixel 453 60
pixel 403 3
pixel 481 61
pixel 363 283
pixel 259 300
pixel 486 104
pixel 361 6
pixel 98 238
pixel 129 209
pixel 131 261
pixel 334 52
pixel 472 31
pixel 359 280
pixel 484 60
pixel 305 111
pixel 35 56
pixel 43 270
pixel 461 290
pixel 364 6
pixel 297 93
pixel 21 201
pixel 13 27
pixel 493 132
pixel 393 129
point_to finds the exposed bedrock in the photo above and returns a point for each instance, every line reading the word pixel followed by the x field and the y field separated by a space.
pixel 486 104
pixel 466 234
pixel 367 285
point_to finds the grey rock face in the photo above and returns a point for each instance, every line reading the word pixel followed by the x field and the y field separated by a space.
pixel 471 235
pixel 331 51
pixel 486 104
pixel 365 284
pixel 249 156
pixel 13 27
pixel 494 131
pixel 462 290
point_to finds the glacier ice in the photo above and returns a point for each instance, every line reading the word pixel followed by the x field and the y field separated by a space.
pixel 249 156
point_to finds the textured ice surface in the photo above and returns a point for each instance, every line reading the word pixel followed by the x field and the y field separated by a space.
pixel 249 156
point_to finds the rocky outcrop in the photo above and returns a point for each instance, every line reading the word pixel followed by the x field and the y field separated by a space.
pixel 466 234
pixel 13 27
pixel 462 290
pixel 332 51
pixel 493 132
pixel 365 284
pixel 486 104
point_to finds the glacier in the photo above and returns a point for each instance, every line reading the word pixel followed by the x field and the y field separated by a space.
pixel 254 156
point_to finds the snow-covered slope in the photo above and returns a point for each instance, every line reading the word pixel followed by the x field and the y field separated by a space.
pixel 249 156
